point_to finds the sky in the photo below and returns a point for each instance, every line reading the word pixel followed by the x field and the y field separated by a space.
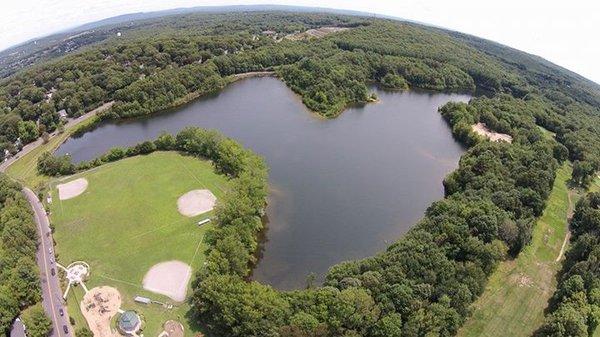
pixel 563 32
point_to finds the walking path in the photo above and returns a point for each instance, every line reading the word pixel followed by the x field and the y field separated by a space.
pixel 568 235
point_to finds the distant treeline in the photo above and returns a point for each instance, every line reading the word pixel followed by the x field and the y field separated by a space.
pixel 424 283
pixel 575 307
pixel 146 73
pixel 19 274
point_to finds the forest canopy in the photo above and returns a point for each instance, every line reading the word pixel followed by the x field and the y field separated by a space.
pixel 421 285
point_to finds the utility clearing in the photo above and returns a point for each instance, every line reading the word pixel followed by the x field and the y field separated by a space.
pixel 518 291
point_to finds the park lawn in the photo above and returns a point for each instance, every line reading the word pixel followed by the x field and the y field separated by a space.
pixel 127 221
pixel 24 170
pixel 518 291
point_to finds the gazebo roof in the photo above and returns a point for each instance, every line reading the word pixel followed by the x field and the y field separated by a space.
pixel 129 321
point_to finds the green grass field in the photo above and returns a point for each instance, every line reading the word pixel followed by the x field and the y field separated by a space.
pixel 24 169
pixel 127 221
pixel 518 291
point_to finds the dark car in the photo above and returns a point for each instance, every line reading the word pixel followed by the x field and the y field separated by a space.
pixel 61 312
pixel 65 329
pixel 52 272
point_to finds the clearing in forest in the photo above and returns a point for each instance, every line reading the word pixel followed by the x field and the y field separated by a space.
pixel 518 291
pixel 127 221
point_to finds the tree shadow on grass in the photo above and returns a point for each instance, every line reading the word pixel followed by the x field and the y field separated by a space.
pixel 196 323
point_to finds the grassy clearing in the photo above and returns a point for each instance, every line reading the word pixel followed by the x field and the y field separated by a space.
pixel 595 187
pixel 127 221
pixel 518 291
pixel 24 169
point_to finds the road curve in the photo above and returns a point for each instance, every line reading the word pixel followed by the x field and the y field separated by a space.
pixel 51 292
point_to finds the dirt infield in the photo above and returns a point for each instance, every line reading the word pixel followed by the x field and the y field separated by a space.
pixel 168 278
pixel 98 307
pixel 172 329
pixel 482 130
pixel 72 188
pixel 196 202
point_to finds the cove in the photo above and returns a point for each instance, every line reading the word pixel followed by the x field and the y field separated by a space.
pixel 341 189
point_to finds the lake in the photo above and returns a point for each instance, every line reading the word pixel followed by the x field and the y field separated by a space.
pixel 341 189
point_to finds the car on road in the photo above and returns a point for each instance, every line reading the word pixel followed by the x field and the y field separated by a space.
pixel 52 272
pixel 61 312
pixel 65 329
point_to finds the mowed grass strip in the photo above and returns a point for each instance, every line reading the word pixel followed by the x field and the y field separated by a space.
pixel 518 291
pixel 127 221
pixel 24 169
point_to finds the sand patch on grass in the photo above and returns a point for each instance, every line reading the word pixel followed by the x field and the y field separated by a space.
pixel 172 329
pixel 482 130
pixel 168 278
pixel 99 306
pixel 72 188
pixel 196 202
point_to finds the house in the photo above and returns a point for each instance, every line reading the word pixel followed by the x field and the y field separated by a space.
pixel 63 114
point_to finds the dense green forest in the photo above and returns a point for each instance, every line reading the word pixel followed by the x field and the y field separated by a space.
pixel 424 283
pixel 575 306
pixel 19 274
pixel 147 72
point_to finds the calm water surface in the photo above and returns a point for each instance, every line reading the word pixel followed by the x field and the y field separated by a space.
pixel 340 189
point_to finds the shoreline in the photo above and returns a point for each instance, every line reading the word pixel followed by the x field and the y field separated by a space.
pixel 70 127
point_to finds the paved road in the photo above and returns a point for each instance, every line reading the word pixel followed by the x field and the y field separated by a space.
pixel 51 291
pixel 18 329
pixel 70 123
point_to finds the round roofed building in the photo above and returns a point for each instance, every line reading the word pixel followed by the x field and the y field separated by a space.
pixel 129 323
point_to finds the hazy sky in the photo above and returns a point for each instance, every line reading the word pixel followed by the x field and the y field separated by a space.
pixel 564 32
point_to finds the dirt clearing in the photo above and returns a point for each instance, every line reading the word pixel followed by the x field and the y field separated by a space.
pixel 168 278
pixel 172 329
pixel 72 188
pixel 482 130
pixel 98 307
pixel 316 33
pixel 196 202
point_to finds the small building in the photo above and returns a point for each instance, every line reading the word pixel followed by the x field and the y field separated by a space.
pixel 143 300
pixel 63 114
pixel 129 323
pixel 202 222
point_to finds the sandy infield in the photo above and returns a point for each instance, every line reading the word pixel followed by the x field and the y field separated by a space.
pixel 172 329
pixel 196 202
pixel 168 278
pixel 482 130
pixel 72 188
pixel 98 306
